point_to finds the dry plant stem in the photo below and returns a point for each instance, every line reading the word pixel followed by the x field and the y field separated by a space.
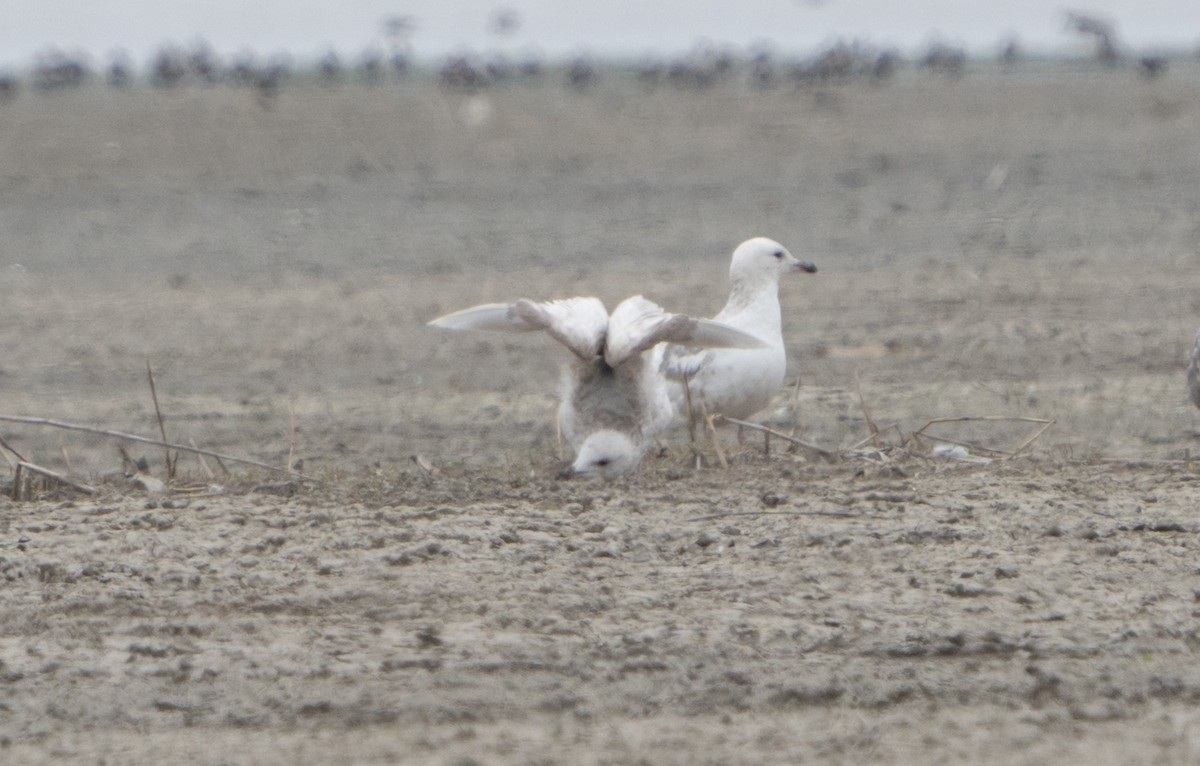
pixel 127 463
pixel 153 442
pixel 9 448
pixel 718 516
pixel 162 427
pixel 772 432
pixel 31 468
pixel 425 467
pixel 874 429
pixel 859 444
pixel 15 494
pixel 1132 462
pixel 796 406
pixel 920 433
pixel 203 463
pixel 1025 444
pixel 711 430
pixel 967 445
pixel 894 427
pixel 691 415
pixel 66 458
pixel 291 458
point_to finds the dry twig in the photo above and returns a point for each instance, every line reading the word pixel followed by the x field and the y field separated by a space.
pixel 772 432
pixel 9 448
pixel 874 429
pixel 204 463
pixel 691 415
pixel 1044 423
pixel 46 472
pixel 428 470
pixel 153 442
pixel 711 429
pixel 162 427
pixel 291 458
pixel 729 514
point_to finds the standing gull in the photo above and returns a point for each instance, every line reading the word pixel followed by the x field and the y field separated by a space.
pixel 739 382
pixel 613 398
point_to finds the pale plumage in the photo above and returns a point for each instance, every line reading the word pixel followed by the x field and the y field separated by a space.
pixel 738 383
pixel 613 398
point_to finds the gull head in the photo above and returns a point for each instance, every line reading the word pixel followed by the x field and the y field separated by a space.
pixel 605 454
pixel 762 261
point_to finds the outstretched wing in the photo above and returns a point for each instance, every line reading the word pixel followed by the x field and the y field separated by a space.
pixel 684 359
pixel 578 323
pixel 638 324
pixel 497 317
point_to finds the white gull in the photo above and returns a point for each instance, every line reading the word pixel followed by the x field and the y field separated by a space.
pixel 613 398
pixel 739 382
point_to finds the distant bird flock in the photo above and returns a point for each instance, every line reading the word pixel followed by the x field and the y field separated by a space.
pixel 706 66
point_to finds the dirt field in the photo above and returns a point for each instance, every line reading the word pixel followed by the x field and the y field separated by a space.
pixel 1017 244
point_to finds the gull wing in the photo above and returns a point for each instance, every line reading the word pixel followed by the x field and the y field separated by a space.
pixel 497 317
pixel 709 333
pixel 579 324
pixel 638 324
pixel 686 357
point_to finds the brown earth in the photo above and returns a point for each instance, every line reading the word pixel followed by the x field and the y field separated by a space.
pixel 1015 244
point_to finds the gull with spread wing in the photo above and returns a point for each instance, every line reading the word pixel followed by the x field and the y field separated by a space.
pixel 613 399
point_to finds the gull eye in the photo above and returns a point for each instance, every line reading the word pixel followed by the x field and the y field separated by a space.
pixel 778 255
pixel 603 462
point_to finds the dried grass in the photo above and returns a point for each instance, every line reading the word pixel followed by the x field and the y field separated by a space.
pixel 50 423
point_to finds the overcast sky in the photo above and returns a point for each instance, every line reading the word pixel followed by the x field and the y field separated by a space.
pixel 564 27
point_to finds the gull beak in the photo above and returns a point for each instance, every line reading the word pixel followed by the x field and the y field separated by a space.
pixel 805 266
pixel 566 474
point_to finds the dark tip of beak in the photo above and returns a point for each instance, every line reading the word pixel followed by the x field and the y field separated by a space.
pixel 565 474
pixel 806 267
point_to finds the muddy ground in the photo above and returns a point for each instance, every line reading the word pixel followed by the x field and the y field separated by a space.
pixel 1015 244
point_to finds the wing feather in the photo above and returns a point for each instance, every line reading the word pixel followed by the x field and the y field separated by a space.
pixel 580 324
pixel 496 317
pixel 638 324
